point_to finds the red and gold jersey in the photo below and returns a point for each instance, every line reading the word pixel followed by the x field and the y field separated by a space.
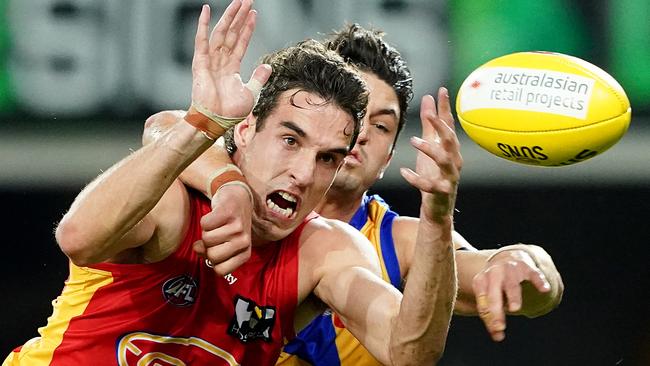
pixel 325 341
pixel 173 312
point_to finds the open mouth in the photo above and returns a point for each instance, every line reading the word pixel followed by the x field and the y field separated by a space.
pixel 282 203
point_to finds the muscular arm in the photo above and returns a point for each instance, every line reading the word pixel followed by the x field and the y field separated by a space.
pixel 524 274
pixel 228 228
pixel 347 276
pixel 408 329
pixel 118 202
pixel 113 213
pixel 473 262
pixel 197 173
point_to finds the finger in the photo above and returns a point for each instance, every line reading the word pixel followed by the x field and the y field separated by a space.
pixel 433 126
pixel 245 35
pixel 446 161
pixel 199 248
pixel 224 251
pixel 201 45
pixel 231 264
pixel 512 292
pixel 213 220
pixel 480 286
pixel 497 322
pixel 444 107
pixel 444 186
pixel 539 281
pixel 427 113
pixel 260 76
pixel 222 234
pixel 219 32
pixel 241 20
pixel 430 149
pixel 424 184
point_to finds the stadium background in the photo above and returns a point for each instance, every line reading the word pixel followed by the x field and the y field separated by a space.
pixel 78 78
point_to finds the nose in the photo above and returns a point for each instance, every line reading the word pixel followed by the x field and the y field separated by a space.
pixel 363 134
pixel 303 170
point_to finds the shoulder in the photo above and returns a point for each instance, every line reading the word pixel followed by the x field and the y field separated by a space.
pixel 336 239
pixel 331 232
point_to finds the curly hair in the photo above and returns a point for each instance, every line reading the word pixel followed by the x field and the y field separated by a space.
pixel 309 66
pixel 368 51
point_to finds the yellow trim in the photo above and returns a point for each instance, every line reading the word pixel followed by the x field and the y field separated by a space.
pixel 79 289
pixel 372 230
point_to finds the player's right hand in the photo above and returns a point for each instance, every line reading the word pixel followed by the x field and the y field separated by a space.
pixel 216 79
pixel 226 237
pixel 439 161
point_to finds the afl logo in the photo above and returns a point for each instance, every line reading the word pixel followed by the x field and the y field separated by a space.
pixel 180 291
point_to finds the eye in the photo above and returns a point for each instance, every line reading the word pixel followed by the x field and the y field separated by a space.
pixel 381 127
pixel 289 140
pixel 329 159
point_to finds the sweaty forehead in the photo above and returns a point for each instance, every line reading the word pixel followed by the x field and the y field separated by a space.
pixel 321 121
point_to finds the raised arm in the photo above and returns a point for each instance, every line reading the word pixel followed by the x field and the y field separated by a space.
pixel 229 226
pixel 408 329
pixel 114 213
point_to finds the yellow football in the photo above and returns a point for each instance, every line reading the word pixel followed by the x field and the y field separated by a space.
pixel 542 108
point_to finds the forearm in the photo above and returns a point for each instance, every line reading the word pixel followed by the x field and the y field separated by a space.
pixel 197 174
pixel 120 198
pixel 534 302
pixel 469 263
pixel 419 332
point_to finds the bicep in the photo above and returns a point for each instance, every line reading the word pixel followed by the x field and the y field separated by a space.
pixel 351 285
pixel 365 303
pixel 160 232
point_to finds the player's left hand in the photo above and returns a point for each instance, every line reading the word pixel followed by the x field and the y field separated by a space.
pixel 226 236
pixel 503 277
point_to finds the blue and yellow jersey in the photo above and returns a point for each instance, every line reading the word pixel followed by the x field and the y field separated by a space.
pixel 325 341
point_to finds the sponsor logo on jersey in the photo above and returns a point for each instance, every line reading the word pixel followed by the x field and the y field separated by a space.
pixel 251 321
pixel 146 349
pixel 180 291
pixel 230 278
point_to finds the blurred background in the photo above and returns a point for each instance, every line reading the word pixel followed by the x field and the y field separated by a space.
pixel 79 77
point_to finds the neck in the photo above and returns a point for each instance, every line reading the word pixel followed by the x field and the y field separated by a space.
pixel 339 205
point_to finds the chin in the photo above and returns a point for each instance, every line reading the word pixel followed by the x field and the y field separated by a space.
pixel 274 235
pixel 269 232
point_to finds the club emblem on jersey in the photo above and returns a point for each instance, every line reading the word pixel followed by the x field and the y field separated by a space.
pixel 180 290
pixel 251 321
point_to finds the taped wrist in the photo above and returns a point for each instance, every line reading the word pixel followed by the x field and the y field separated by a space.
pixel 523 247
pixel 227 176
pixel 536 304
pixel 211 124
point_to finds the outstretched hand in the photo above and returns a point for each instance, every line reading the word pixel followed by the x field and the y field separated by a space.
pixel 216 79
pixel 438 164
pixel 510 280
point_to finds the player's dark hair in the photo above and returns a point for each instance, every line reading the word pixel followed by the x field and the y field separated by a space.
pixel 309 66
pixel 369 52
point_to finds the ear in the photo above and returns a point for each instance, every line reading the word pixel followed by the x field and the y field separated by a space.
pixel 244 131
pixel 386 164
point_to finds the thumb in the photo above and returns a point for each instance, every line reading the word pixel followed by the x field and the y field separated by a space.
pixel 258 79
